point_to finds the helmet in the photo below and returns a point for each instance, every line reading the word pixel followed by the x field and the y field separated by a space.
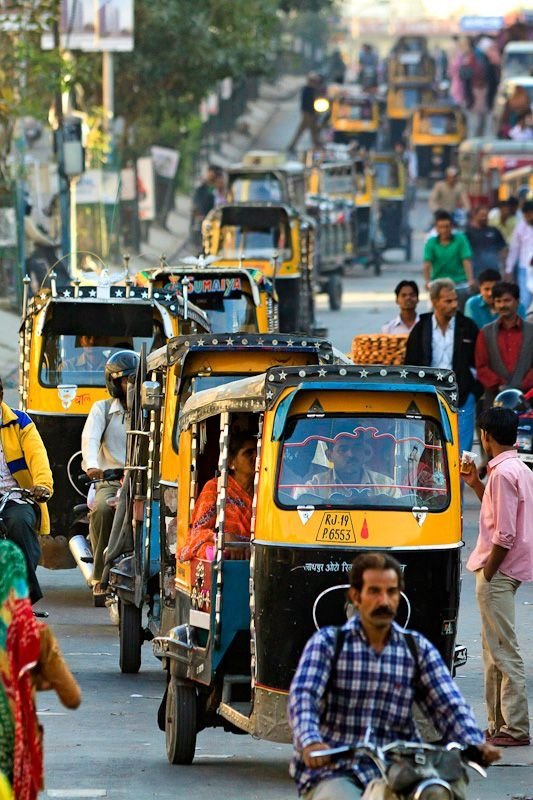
pixel 119 365
pixel 512 399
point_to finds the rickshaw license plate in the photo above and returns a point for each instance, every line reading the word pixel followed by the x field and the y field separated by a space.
pixel 336 526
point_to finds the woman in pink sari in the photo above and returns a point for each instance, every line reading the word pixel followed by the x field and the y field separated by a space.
pixel 238 512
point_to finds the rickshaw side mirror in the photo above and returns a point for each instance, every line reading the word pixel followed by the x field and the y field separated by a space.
pixel 151 396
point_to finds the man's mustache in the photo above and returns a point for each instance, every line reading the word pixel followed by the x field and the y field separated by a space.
pixel 383 611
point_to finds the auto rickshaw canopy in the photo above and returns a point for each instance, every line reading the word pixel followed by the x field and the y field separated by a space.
pixel 442 125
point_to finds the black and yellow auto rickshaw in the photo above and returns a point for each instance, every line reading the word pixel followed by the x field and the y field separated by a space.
pixel 483 163
pixel 232 297
pixel 410 62
pixel 65 340
pixel 354 116
pixel 185 366
pixel 276 240
pixel 391 182
pixel 241 623
pixel 267 176
pixel 402 100
pixel 435 134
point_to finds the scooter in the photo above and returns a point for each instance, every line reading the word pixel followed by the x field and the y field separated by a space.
pixel 412 770
pixel 79 544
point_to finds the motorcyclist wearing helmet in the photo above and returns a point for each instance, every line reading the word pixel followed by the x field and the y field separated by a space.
pixel 513 399
pixel 103 445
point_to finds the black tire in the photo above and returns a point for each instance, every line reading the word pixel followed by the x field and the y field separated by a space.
pixel 334 290
pixel 131 638
pixel 99 600
pixel 180 722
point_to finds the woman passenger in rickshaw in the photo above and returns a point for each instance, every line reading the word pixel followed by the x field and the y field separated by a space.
pixel 238 511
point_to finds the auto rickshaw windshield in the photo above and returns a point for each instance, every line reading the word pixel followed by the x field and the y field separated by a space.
pixel 255 241
pixel 350 108
pixel 362 462
pixel 228 313
pixel 387 174
pixel 411 97
pixel 256 188
pixel 339 180
pixel 438 124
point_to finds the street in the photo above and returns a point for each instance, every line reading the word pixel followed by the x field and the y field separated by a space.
pixel 111 747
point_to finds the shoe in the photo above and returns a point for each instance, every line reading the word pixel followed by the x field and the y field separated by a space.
pixel 505 740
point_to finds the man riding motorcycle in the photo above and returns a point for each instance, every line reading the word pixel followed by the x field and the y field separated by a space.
pixel 103 445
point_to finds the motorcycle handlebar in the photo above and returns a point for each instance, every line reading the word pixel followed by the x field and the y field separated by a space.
pixel 108 475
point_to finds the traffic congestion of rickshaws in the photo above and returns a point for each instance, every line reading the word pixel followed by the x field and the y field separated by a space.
pixel 229 524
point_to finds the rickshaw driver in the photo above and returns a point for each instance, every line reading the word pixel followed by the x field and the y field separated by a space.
pixel 372 685
pixel 103 445
pixel 90 359
pixel 346 455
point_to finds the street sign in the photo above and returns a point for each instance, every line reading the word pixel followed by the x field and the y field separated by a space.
pixel 94 26
pixel 475 24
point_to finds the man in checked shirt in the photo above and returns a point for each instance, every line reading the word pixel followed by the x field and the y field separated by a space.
pixel 371 685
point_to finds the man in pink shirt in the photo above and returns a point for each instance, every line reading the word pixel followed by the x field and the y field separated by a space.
pixel 501 561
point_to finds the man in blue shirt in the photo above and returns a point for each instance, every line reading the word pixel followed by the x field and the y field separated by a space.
pixel 480 307
pixel 331 702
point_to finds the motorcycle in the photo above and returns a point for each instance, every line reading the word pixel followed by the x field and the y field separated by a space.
pixel 522 405
pixel 413 770
pixel 79 543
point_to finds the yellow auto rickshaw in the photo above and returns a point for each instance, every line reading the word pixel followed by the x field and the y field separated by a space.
pixel 354 116
pixel 232 297
pixel 240 624
pixel 515 182
pixel 391 180
pixel 410 62
pixel 435 134
pixel 274 239
pixel 402 100
pixel 65 340
pixel 267 176
pixel 143 551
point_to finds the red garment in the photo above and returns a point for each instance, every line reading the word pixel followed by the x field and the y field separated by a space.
pixel 509 343
pixel 23 647
pixel 238 518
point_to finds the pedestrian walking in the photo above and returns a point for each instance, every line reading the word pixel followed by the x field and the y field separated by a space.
pixel 24 463
pixel 501 561
pixel 521 254
pixel 475 75
pixel 504 348
pixel 503 217
pixel 362 676
pixel 308 120
pixel 202 202
pixel 449 255
pixel 445 339
pixel 407 300
pixel 30 659
pixel 449 194
pixel 489 248
pixel 480 307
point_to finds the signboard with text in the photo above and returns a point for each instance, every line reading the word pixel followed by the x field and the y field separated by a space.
pixel 94 25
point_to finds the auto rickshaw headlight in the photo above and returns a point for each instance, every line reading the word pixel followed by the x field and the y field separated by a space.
pixel 321 105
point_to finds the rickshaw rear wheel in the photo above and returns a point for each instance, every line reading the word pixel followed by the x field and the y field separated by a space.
pixel 180 722
pixel 131 638
pixel 334 290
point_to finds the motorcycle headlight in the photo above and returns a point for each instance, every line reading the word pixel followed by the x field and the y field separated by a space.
pixel 432 789
pixel 524 442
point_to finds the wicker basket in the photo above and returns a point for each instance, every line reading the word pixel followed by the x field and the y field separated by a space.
pixel 379 348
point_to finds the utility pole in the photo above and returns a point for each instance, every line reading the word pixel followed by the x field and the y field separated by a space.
pixel 64 182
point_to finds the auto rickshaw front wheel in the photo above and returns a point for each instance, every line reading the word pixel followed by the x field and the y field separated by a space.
pixel 131 637
pixel 180 721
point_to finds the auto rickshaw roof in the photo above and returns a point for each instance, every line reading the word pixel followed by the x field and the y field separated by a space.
pixel 286 168
pixel 120 297
pixel 429 111
pixel 177 349
pixel 261 392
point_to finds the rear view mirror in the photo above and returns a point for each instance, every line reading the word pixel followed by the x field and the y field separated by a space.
pixel 151 396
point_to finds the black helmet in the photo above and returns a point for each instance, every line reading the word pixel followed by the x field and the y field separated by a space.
pixel 512 399
pixel 119 365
